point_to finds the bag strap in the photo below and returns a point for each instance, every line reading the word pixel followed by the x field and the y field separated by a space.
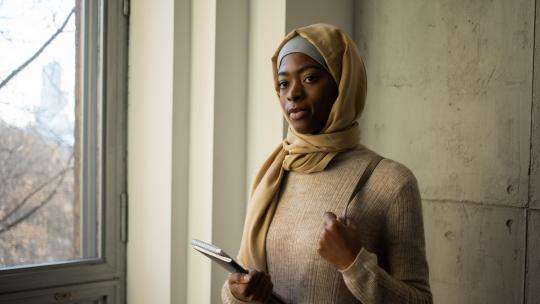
pixel 361 182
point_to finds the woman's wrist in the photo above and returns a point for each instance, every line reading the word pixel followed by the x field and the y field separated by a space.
pixel 349 259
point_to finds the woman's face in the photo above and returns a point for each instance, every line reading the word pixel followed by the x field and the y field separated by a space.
pixel 306 92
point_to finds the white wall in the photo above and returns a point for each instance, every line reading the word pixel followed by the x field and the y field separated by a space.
pixel 180 150
pixel 264 118
pixel 149 151
pixel 219 48
pixel 186 166
pixel 201 145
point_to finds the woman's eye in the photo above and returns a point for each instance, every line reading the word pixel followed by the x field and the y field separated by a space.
pixel 310 78
pixel 283 84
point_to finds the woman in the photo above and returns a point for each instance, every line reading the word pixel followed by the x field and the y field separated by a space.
pixel 292 231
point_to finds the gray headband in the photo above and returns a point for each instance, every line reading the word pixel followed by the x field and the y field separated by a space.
pixel 299 44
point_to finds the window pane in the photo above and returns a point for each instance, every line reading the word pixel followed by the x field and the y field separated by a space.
pixel 49 143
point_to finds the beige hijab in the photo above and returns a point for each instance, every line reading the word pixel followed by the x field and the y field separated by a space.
pixel 307 153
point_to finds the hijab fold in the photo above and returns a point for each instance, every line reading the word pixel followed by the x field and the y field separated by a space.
pixel 307 153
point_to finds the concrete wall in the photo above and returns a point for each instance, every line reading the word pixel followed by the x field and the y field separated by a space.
pixel 533 240
pixel 450 93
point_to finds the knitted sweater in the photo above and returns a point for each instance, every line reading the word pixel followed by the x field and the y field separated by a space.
pixel 391 267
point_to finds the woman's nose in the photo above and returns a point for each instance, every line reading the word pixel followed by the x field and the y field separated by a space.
pixel 296 91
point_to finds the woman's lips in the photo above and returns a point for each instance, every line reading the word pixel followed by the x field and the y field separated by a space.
pixel 298 114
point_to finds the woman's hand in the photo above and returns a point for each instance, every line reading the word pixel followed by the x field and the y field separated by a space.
pixel 252 286
pixel 339 244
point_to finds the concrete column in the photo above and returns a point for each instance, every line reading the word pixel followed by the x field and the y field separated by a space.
pixel 305 12
pixel 264 118
pixel 230 120
pixel 219 48
pixel 180 151
pixel 201 146
pixel 532 279
pixel 533 261
pixel 188 75
pixel 150 102
pixel 535 122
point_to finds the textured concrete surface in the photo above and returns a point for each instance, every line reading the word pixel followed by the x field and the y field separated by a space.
pixel 451 95
pixel 476 253
pixel 533 258
pixel 337 12
pixel 535 126
pixel 451 83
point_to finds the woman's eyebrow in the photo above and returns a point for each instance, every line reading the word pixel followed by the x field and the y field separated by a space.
pixel 301 69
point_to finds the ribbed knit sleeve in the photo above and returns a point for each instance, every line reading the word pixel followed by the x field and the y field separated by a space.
pixel 227 297
pixel 406 278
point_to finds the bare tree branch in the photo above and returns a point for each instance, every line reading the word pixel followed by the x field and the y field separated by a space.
pixel 5 36
pixel 36 208
pixel 23 202
pixel 36 54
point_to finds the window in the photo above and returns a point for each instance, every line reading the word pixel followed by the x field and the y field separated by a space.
pixel 62 151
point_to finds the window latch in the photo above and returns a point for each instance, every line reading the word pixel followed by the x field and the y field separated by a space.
pixel 62 296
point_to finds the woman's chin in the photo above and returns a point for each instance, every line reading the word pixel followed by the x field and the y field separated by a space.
pixel 303 129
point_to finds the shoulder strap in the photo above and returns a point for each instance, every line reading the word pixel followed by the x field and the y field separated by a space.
pixel 365 176
pixel 361 182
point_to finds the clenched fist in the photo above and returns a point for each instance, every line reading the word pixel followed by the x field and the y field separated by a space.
pixel 252 286
pixel 339 244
